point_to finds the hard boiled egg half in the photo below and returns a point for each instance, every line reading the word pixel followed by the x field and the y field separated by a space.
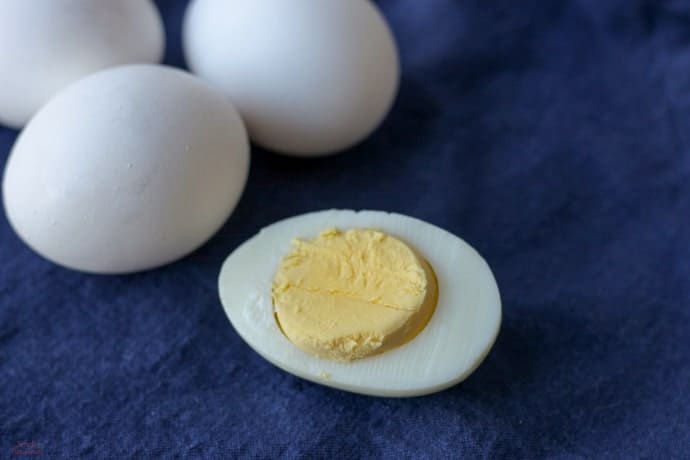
pixel 369 302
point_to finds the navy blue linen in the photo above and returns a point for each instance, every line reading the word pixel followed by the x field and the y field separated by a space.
pixel 552 135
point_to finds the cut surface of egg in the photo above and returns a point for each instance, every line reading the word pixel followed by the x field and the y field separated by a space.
pixel 46 45
pixel 348 295
pixel 127 169
pixel 369 302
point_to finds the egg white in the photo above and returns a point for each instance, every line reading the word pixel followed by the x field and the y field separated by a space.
pixel 455 341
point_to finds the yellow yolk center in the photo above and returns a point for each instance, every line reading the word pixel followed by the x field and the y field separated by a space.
pixel 348 295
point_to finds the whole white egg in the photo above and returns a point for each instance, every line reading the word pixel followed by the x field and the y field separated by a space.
pixel 47 44
pixel 127 169
pixel 453 343
pixel 310 77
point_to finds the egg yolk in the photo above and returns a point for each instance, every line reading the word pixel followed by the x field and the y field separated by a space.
pixel 349 295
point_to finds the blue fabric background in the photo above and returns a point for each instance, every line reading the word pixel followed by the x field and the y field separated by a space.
pixel 552 135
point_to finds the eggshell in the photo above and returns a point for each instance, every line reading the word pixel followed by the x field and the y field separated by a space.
pixel 459 335
pixel 47 44
pixel 126 170
pixel 310 77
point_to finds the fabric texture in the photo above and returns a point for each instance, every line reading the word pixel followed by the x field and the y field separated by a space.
pixel 551 135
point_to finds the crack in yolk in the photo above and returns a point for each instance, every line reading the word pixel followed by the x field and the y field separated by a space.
pixel 348 295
